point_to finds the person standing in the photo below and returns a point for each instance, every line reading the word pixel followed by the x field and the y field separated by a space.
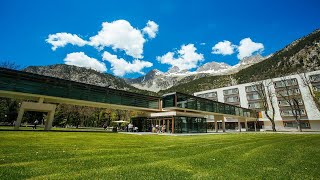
pixel 105 126
pixel 130 127
pixel 163 128
pixel 35 124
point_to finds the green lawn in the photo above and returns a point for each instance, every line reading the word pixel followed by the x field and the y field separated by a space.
pixel 93 155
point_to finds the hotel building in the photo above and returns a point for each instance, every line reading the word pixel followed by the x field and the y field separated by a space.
pixel 283 90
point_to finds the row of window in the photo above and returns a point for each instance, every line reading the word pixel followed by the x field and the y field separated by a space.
pixel 255 105
pixel 232 99
pixel 230 91
pixel 210 95
pixel 253 96
pixel 289 92
pixel 288 82
pixel 286 103
pixel 316 88
pixel 293 124
pixel 289 112
pixel 254 88
pixel 315 78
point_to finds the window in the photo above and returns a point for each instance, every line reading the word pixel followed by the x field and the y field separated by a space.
pixel 253 96
pixel 293 124
pixel 210 95
pixel 232 99
pixel 315 78
pixel 255 105
pixel 230 91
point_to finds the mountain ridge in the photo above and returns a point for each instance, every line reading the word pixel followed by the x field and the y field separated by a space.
pixel 174 76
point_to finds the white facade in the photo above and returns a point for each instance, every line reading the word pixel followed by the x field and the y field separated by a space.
pixel 311 111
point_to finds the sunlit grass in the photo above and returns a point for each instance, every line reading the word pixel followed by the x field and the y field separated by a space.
pixel 90 155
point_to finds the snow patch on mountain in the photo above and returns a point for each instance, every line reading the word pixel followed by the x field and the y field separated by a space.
pixel 156 80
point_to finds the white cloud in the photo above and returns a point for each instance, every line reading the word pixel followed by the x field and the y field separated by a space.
pixel 187 58
pixel 224 48
pixel 62 39
pixel 120 35
pixel 247 47
pixel 120 67
pixel 151 29
pixel 82 60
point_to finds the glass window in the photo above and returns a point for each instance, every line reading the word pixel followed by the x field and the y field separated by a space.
pixel 168 101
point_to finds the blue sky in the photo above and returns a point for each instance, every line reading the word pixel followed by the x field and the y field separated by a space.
pixel 192 28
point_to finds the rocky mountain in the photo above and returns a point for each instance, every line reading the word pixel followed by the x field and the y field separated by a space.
pixel 302 55
pixel 213 66
pixel 153 81
pixel 84 75
pixel 156 80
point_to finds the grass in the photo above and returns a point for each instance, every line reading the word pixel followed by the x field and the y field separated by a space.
pixel 93 155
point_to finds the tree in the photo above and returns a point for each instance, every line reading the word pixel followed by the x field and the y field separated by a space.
pixel 9 107
pixel 9 65
pixel 293 98
pixel 263 89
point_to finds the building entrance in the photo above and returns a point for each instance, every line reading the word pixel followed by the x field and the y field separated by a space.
pixel 177 124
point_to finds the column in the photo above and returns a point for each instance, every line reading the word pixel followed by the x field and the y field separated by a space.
pixel 223 125
pixel 48 124
pixel 172 125
pixel 239 124
pixel 220 118
pixel 19 118
pixel 246 124
pixel 255 126
pixel 216 125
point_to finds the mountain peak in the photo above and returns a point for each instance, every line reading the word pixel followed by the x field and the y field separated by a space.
pixel 213 66
pixel 173 69
pixel 154 72
pixel 252 59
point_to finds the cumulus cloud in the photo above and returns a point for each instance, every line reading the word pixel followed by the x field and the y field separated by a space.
pixel 82 60
pixel 119 35
pixel 247 47
pixel 224 48
pixel 62 39
pixel 151 29
pixel 186 57
pixel 120 67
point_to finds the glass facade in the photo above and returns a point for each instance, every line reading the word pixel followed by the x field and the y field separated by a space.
pixel 18 81
pixel 184 124
pixel 180 100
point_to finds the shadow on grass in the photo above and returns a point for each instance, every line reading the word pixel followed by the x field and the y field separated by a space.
pixel 57 130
